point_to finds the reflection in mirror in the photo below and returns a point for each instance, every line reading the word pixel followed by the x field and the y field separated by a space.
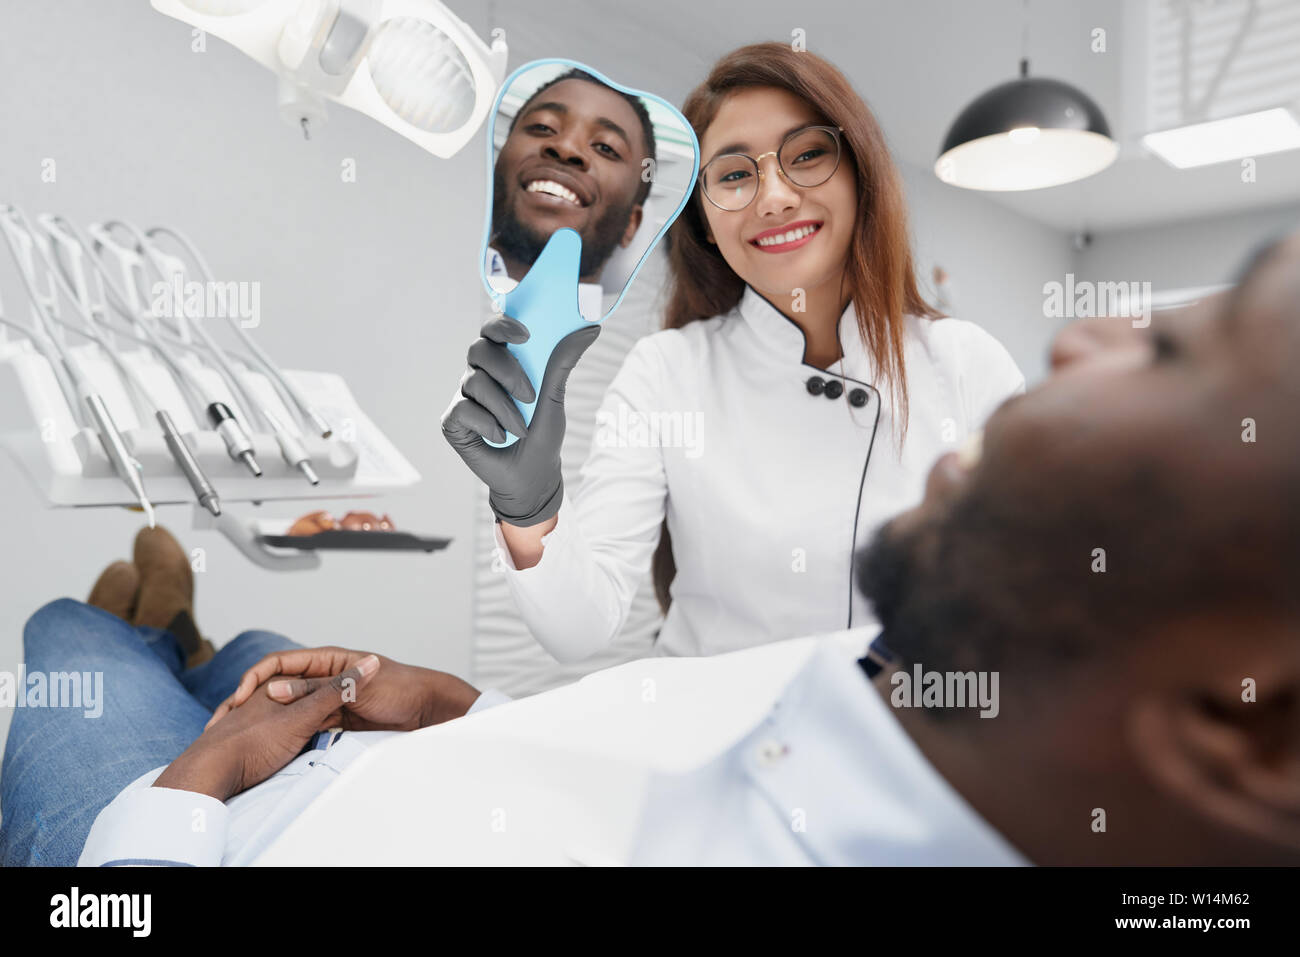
pixel 586 177
pixel 572 150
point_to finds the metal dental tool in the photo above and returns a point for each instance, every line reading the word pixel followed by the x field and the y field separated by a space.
pixel 237 442
pixel 180 452
pixel 203 490
pixel 168 267
pixel 232 433
pixel 38 333
pixel 268 365
pixel 292 450
pixel 126 467
pixel 124 464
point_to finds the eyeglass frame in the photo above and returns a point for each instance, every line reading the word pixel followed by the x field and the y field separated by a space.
pixel 834 131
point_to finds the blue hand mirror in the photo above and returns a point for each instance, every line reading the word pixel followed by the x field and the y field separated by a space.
pixel 584 178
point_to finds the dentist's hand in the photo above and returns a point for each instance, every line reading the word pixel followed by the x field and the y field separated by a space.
pixel 523 480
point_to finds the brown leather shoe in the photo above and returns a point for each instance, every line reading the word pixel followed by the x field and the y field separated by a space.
pixel 204 653
pixel 166 597
pixel 116 590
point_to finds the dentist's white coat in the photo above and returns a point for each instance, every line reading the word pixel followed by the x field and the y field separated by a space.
pixel 768 490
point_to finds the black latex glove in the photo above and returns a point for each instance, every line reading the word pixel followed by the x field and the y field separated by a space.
pixel 524 480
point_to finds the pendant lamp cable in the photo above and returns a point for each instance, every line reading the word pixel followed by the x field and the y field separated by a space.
pixel 1024 39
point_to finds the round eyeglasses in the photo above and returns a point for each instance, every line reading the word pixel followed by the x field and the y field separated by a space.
pixel 807 158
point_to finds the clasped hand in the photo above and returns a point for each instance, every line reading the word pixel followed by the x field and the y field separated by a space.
pixel 288 696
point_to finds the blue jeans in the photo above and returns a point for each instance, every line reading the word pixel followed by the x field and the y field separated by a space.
pixel 61 766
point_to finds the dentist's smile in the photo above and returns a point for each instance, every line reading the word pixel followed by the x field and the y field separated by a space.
pixel 785 238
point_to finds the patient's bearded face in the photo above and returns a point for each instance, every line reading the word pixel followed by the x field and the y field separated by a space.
pixel 562 137
pixel 1122 489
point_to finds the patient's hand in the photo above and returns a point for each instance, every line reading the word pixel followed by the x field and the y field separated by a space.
pixel 262 735
pixel 1106 339
pixel 400 698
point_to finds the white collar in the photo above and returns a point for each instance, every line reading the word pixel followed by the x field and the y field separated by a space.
pixel 829 746
pixel 779 337
pixel 590 294
pixel 831 703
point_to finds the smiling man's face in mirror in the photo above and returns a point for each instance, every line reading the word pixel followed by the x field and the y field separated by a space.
pixel 574 157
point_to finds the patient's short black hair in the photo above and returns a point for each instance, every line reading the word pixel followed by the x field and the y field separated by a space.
pixel 638 107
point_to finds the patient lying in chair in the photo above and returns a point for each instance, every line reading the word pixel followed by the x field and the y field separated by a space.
pixel 1122 556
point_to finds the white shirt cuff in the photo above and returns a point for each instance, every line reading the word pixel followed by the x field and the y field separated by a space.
pixel 159 827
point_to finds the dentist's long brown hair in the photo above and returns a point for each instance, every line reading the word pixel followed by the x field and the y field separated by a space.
pixel 879 272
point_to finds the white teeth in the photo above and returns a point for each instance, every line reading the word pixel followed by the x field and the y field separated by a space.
pixel 552 188
pixel 969 454
pixel 788 237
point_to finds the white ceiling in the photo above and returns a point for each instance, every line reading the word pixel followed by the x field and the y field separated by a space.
pixel 917 63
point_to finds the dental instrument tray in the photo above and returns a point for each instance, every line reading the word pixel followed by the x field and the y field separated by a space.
pixel 114 392
pixel 355 539
pixel 69 466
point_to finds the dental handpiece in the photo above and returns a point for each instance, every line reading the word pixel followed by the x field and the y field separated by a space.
pixel 203 490
pixel 238 444
pixel 128 470
pixel 292 451
pixel 318 421
pixel 323 427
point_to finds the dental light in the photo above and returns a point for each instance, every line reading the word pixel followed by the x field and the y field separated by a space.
pixel 410 64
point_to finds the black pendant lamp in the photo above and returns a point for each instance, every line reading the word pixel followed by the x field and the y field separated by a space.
pixel 1030 133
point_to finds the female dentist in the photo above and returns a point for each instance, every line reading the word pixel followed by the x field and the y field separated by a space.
pixel 820 386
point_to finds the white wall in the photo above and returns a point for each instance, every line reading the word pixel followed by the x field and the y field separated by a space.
pixel 375 280
pixel 997 262
pixel 1197 252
